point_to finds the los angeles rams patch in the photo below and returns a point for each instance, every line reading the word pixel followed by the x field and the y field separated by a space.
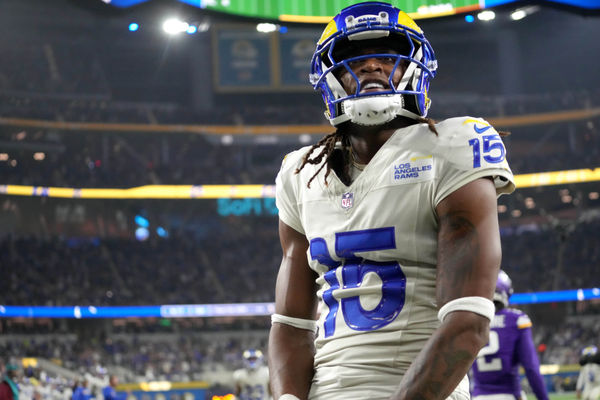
pixel 415 169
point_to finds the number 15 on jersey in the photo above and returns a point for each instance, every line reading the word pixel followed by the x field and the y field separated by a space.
pixel 342 293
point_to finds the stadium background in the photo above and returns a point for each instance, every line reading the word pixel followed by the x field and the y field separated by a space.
pixel 88 100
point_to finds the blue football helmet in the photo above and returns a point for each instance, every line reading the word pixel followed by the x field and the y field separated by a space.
pixel 589 351
pixel 503 288
pixel 589 354
pixel 253 358
pixel 373 24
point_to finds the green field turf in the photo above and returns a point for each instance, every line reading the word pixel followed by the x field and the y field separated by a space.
pixel 562 396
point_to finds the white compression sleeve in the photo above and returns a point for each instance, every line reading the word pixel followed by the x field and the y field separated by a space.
pixel 299 323
pixel 475 304
pixel 288 396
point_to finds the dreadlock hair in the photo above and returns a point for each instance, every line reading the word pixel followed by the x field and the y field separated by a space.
pixel 329 145
pixel 339 159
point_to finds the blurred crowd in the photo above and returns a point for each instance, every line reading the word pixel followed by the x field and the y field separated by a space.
pixel 183 355
pixel 61 366
pixel 38 384
pixel 65 158
pixel 560 257
pixel 140 358
pixel 225 266
pixel 106 159
pixel 100 108
pixel 563 345
pixel 237 262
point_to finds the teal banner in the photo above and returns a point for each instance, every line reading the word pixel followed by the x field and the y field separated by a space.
pixel 296 50
pixel 242 60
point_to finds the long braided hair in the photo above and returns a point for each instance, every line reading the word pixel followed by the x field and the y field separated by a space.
pixel 339 160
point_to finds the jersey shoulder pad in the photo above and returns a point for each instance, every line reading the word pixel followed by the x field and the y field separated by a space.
pixel 293 160
pixel 524 322
pixel 521 320
pixel 469 143
pixel 459 141
pixel 465 127
pixel 238 374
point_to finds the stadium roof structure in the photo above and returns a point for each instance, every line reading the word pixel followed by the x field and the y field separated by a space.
pixel 318 11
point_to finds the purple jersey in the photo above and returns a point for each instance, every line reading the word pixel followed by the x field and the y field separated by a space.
pixel 496 369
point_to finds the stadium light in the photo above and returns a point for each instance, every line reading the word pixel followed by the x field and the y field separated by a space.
pixel 203 26
pixel 487 15
pixel 266 27
pixel 141 221
pixel 305 138
pixel 191 29
pixel 133 27
pixel 174 26
pixel 142 234
pixel 227 140
pixel 517 15
pixel 521 13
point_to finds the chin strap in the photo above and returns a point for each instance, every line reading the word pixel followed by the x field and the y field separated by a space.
pixel 375 110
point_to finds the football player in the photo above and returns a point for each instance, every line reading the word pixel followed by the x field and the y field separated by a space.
pixel 252 381
pixel 390 223
pixel 110 393
pixel 496 369
pixel 588 382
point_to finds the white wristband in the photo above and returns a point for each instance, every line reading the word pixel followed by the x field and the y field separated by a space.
pixel 478 305
pixel 288 396
pixel 299 323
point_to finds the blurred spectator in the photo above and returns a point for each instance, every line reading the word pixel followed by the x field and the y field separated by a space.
pixel 109 391
pixel 9 389
pixel 82 391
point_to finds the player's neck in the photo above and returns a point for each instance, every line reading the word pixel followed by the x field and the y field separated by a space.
pixel 367 140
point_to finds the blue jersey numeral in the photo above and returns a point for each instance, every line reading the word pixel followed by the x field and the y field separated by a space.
pixel 253 392
pixel 353 272
pixel 493 150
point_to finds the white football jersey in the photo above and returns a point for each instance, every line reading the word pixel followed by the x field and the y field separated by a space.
pixel 588 381
pixel 373 245
pixel 254 383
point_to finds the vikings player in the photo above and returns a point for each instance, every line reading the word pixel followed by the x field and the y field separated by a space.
pixel 252 381
pixel 496 370
pixel 388 226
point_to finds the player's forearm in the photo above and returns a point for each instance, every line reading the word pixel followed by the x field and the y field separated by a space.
pixel 291 357
pixel 445 359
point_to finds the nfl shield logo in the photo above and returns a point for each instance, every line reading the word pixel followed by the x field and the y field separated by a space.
pixel 347 200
